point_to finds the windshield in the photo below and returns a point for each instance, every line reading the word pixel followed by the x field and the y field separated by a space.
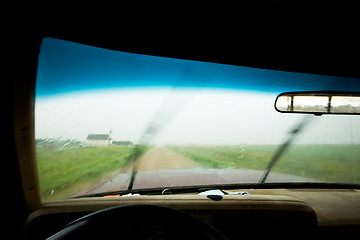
pixel 108 121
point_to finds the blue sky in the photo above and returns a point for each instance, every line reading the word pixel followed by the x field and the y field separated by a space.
pixel 66 66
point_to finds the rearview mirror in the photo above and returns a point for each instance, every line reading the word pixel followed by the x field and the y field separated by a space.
pixel 318 103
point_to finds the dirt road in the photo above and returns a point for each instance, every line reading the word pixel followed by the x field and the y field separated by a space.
pixel 160 157
pixel 157 158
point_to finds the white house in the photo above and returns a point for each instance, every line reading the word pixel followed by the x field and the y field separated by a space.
pixel 99 139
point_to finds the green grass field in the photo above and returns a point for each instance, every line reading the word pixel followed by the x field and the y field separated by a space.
pixel 62 173
pixel 332 163
pixel 66 171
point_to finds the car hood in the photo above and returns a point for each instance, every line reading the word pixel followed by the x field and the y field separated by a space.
pixel 187 177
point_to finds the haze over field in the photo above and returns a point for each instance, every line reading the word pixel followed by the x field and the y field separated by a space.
pixel 183 116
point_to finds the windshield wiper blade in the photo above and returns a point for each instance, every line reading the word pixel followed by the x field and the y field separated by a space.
pixel 280 151
pixel 138 150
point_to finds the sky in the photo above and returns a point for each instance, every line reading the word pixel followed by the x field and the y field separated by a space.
pixel 82 89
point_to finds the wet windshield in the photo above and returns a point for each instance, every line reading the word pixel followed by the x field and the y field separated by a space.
pixel 109 121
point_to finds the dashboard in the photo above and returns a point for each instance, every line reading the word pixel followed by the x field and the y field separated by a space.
pixel 280 213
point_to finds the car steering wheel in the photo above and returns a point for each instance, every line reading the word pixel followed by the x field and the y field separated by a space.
pixel 138 222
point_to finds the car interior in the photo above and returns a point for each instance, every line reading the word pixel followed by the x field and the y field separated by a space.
pixel 257 211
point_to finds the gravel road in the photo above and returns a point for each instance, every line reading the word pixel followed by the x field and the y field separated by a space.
pixel 157 158
pixel 160 157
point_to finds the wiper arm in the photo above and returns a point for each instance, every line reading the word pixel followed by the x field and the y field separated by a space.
pixel 133 157
pixel 280 151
